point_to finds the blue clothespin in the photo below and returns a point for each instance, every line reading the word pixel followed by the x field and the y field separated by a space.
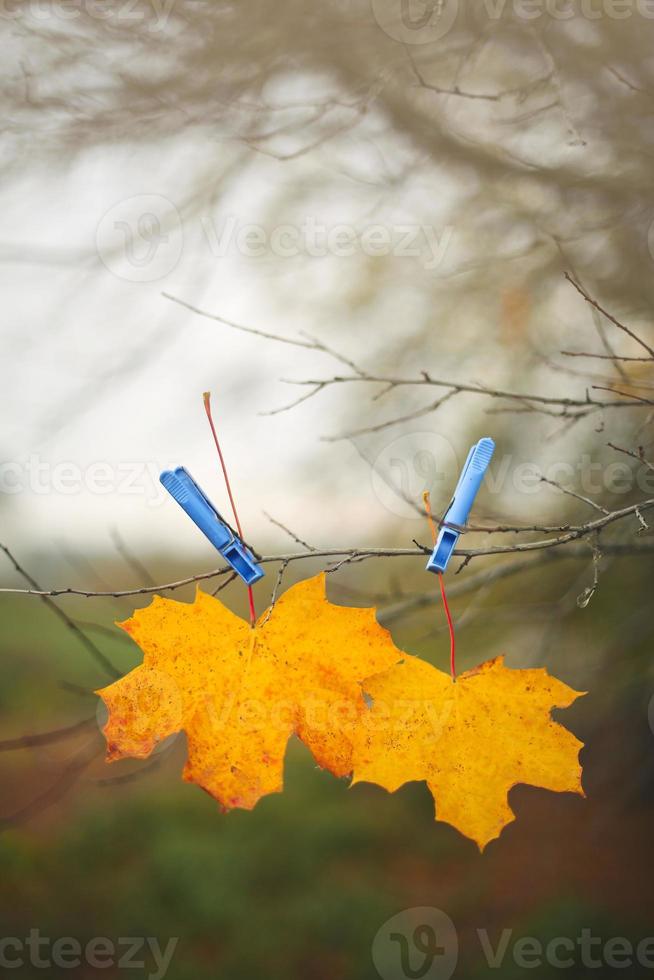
pixel 182 487
pixel 457 513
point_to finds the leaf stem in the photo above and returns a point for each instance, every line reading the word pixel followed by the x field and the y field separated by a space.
pixel 206 397
pixel 432 528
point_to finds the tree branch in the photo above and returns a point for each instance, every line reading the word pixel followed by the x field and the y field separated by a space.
pixel 609 316
pixel 571 533
pixel 46 595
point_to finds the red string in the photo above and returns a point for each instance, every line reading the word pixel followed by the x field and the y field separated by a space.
pixel 207 407
pixel 441 581
pixel 451 627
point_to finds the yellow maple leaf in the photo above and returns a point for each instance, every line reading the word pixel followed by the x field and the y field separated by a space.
pixel 471 740
pixel 239 692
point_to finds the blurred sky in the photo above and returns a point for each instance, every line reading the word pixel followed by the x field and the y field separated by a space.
pixel 102 369
pixel 98 369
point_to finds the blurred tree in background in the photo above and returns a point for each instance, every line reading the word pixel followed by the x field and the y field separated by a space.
pixel 420 178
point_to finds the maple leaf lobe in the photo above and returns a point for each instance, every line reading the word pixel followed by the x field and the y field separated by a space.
pixel 239 693
pixel 471 741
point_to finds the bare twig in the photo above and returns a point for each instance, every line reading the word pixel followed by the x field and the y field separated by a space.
pixel 130 559
pixel 77 690
pixel 86 642
pixel 625 394
pixel 66 780
pixel 640 455
pixel 577 496
pixel 584 598
pixel 275 591
pixel 296 401
pixel 46 738
pixel 109 631
pixel 544 404
pixel 630 85
pixel 223 585
pixel 288 531
pixel 408 604
pixel 455 90
pixel 598 320
pixel 609 316
pixel 306 340
pixel 346 555
pixel 418 413
pixel 644 526
pixel 294 341
pixel 604 357
pixel 568 408
pixel 129 777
